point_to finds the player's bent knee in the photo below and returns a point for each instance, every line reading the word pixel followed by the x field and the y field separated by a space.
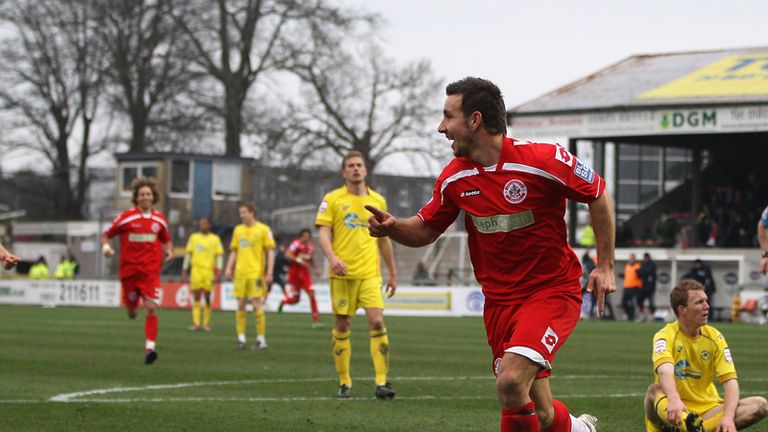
pixel 762 410
pixel 653 391
pixel 512 383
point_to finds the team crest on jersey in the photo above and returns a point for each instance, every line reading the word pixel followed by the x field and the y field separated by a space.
pixel 550 339
pixel 705 355
pixel 515 191
pixel 155 227
pixel 563 155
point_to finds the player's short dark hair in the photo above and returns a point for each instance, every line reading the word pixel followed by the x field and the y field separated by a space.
pixel 250 206
pixel 304 230
pixel 482 96
pixel 140 182
pixel 349 155
pixel 679 294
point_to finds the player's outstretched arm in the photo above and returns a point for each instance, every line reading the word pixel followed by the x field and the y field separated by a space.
pixel 602 280
pixel 411 232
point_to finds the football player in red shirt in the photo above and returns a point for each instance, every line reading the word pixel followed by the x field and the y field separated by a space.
pixel 513 194
pixel 299 254
pixel 144 242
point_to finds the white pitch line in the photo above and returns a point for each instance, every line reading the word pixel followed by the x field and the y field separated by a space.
pixel 83 396
pixel 73 397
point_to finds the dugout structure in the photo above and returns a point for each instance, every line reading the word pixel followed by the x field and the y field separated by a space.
pixel 661 128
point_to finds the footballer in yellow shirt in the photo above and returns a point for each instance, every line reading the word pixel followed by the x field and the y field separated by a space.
pixel 204 254
pixel 355 271
pixel 252 244
pixel 688 355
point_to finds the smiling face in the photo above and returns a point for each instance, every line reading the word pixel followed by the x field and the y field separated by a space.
pixel 696 311
pixel 145 198
pixel 455 126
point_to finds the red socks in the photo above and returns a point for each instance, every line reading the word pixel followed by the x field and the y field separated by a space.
pixel 521 419
pixel 561 422
pixel 313 305
pixel 150 328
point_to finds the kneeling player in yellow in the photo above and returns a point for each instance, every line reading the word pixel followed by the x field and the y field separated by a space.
pixel 687 356
pixel 205 255
pixel 355 271
pixel 252 241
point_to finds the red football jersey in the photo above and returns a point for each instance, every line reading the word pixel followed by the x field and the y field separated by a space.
pixel 141 240
pixel 300 250
pixel 514 216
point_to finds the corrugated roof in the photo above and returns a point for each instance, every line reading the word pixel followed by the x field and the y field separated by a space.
pixel 621 85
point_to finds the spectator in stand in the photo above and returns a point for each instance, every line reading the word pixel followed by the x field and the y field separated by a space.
pixel 704 228
pixel 702 274
pixel 666 230
pixel 647 273
pixel 39 269
pixel 587 238
pixel 65 269
pixel 632 287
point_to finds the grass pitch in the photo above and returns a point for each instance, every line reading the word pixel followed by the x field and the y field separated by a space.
pixel 81 369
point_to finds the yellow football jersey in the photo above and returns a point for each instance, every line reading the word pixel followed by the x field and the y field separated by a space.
pixel 204 249
pixel 250 244
pixel 697 363
pixel 347 217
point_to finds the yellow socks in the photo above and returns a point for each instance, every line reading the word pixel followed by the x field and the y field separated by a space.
pixel 240 317
pixel 207 314
pixel 261 322
pixel 380 354
pixel 342 354
pixel 196 313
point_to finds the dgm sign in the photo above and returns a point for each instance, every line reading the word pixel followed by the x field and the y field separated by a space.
pixel 688 119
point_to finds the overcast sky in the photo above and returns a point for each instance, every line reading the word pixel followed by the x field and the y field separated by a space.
pixel 531 47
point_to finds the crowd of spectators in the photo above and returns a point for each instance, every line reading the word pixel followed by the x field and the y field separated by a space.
pixel 726 220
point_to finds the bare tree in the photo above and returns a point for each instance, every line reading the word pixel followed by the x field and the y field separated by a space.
pixel 148 68
pixel 356 98
pixel 53 83
pixel 236 41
